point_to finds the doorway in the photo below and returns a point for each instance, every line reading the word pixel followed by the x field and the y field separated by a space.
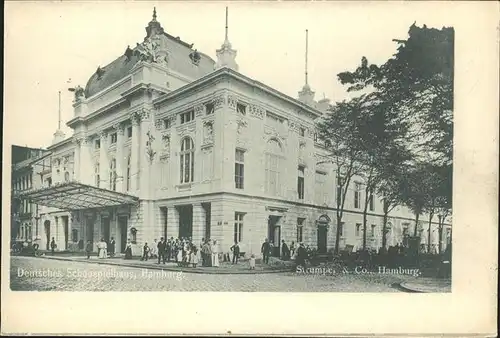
pixel 90 229
pixel 122 225
pixel 106 227
pixel 207 208
pixel 274 234
pixel 65 221
pixel 322 237
pixel 185 221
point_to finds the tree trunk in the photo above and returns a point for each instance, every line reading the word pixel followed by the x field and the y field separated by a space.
pixel 431 215
pixel 440 234
pixel 384 225
pixel 417 215
pixel 337 237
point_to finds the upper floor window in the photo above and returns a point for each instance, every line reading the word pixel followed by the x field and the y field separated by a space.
pixel 129 132
pixel 274 158
pixel 209 108
pixel 300 228
pixel 66 176
pixel 238 226
pixel 187 116
pixel 239 169
pixel 128 173
pixel 97 144
pixel 112 175
pixel 97 174
pixel 320 189
pixel 241 108
pixel 187 160
pixel 302 132
pixel 358 229
pixel 357 195
pixel 374 227
pixel 167 123
pixel 300 182
pixel 371 203
pixel 114 138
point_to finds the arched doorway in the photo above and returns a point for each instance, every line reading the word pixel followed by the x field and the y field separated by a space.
pixel 322 224
pixel 46 226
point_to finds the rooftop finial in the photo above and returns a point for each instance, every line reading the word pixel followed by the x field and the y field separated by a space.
pixel 154 13
pixel 307 46
pixel 227 16
pixel 59 117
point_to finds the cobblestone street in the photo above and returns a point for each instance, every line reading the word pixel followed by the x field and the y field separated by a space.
pixel 38 274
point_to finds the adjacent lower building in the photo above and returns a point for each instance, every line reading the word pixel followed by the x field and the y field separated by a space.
pixel 168 142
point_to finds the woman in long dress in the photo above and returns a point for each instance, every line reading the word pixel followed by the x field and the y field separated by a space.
pixel 128 250
pixel 215 254
pixel 105 249
pixel 100 246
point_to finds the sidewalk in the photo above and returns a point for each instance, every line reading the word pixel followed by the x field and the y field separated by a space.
pixel 428 285
pixel 224 268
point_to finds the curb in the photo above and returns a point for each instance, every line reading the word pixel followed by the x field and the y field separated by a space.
pixel 156 267
pixel 404 288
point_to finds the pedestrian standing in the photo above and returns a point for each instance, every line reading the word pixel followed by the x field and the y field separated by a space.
pixel 145 252
pixel 162 246
pixel 285 252
pixel 236 252
pixel 112 246
pixel 265 251
pixel 292 249
pixel 88 249
pixel 301 255
pixel 53 245
pixel 252 262
pixel 215 254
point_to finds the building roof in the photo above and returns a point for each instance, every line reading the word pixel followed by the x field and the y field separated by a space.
pixel 178 54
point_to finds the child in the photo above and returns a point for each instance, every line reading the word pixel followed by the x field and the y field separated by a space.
pixel 88 249
pixel 252 262
pixel 145 252
pixel 194 256
pixel 179 257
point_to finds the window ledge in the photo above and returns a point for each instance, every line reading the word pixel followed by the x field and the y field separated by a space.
pixel 184 186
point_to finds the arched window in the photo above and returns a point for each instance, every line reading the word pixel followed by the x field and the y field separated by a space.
pixel 97 175
pixel 128 172
pixel 274 159
pixel 112 175
pixel 187 160
pixel 66 176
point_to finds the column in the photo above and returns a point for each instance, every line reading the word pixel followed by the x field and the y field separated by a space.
pixel 120 159
pixel 103 161
pixel 172 222
pixel 134 154
pixel 86 166
pixel 199 219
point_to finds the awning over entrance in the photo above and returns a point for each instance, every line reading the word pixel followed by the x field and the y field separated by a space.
pixel 77 196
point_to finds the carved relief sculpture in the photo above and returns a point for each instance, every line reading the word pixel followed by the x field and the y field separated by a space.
pixel 79 93
pixel 208 132
pixel 242 124
pixel 231 101
pixel 199 110
pixel 218 101
pixel 166 145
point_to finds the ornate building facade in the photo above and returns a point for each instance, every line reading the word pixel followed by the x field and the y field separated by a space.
pixel 168 142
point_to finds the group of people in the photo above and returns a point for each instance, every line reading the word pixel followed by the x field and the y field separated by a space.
pixel 104 249
pixel 182 251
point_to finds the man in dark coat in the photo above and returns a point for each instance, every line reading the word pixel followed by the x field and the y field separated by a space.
pixel 111 247
pixel 236 252
pixel 265 251
pixel 53 245
pixel 162 247
pixel 285 251
pixel 301 255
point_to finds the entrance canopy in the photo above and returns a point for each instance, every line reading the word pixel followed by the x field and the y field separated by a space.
pixel 77 196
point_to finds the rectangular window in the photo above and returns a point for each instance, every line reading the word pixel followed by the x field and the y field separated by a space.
pixel 341 232
pixel 371 203
pixel 302 132
pixel 300 229
pixel 97 144
pixel 320 188
pixel 187 116
pixel 239 169
pixel 129 132
pixel 358 229
pixel 238 226
pixel 300 182
pixel 374 227
pixel 209 108
pixel 241 108
pixel 166 123
pixel 114 137
pixel 272 173
pixel 357 195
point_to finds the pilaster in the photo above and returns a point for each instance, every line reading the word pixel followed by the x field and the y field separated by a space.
pixel 103 161
pixel 172 222
pixel 199 219
pixel 120 157
pixel 134 153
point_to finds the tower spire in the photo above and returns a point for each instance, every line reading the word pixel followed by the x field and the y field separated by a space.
pixel 226 55
pixel 227 26
pixel 307 50
pixel 59 113
pixel 154 13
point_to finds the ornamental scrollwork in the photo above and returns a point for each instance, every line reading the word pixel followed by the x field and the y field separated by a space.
pixel 232 102
pixel 218 101
pixel 199 110
pixel 208 131
pixel 241 125
pixel 257 111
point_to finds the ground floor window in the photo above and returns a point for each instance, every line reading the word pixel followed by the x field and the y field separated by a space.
pixel 238 226
pixel 74 235
pixel 300 229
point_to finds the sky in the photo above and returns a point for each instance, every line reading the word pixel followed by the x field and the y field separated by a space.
pixel 48 43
